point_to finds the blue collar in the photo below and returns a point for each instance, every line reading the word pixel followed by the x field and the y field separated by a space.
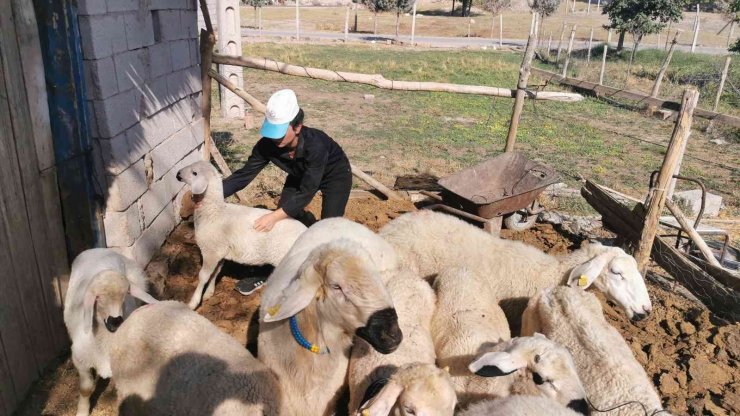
pixel 314 348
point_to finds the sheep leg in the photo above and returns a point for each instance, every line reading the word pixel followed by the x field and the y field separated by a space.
pixel 212 283
pixel 210 262
pixel 87 386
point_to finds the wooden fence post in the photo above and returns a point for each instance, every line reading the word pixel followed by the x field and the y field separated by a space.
pixel 570 49
pixel 521 91
pixel 590 43
pixel 493 24
pixel 297 20
pixel 732 31
pixel 207 41
pixel 664 67
pixel 657 196
pixel 603 57
pixel 501 30
pixel 346 25
pixel 259 25
pixel 722 80
pixel 549 45
pixel 588 10
pixel 598 6
pixel 668 36
pixel 696 30
pixel 560 44
pixel 413 24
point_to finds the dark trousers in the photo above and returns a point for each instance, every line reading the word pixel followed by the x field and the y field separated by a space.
pixel 335 187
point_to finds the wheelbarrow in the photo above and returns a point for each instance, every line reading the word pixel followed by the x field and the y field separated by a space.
pixel 504 186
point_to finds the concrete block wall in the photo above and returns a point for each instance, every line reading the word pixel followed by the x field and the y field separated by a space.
pixel 212 4
pixel 230 43
pixel 141 62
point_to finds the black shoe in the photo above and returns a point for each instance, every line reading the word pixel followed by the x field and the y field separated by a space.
pixel 249 285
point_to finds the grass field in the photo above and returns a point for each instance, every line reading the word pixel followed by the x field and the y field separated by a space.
pixel 400 133
pixel 433 20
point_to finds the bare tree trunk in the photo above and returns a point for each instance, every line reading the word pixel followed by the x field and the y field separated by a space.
pixel 355 7
pixel 398 22
pixel 620 43
pixel 375 23
pixel 452 12
pixel 632 55
pixel 256 24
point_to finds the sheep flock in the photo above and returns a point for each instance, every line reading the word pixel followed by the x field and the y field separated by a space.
pixel 429 316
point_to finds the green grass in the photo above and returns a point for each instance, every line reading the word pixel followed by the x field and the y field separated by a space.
pixel 439 133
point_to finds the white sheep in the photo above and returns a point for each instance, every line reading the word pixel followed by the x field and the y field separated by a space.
pixel 326 290
pixel 102 288
pixel 416 384
pixel 226 231
pixel 609 371
pixel 471 335
pixel 168 360
pixel 429 242
pixel 519 406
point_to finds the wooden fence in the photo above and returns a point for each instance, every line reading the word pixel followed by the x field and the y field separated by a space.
pixel 33 257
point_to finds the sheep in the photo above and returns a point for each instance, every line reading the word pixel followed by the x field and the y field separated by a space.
pixel 168 360
pixel 519 406
pixel 428 242
pixel 610 373
pixel 327 289
pixel 226 231
pixel 466 325
pixel 96 303
pixel 415 382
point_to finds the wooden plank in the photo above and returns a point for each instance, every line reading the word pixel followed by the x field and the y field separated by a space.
pixel 47 229
pixel 695 237
pixel 18 185
pixel 7 396
pixel 207 40
pixel 722 300
pixel 610 92
pixel 521 88
pixel 657 197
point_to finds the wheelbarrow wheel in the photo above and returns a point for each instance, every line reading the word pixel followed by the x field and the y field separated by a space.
pixel 520 221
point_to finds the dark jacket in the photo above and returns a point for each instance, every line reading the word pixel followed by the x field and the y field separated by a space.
pixel 318 159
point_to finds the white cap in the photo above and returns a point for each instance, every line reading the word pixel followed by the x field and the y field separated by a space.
pixel 282 107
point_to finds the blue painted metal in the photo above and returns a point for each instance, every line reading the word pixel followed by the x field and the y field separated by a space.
pixel 65 85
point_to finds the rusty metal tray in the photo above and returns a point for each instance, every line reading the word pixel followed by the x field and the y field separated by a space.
pixel 500 185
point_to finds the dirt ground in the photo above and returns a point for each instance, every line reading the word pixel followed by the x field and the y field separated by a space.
pixel 691 357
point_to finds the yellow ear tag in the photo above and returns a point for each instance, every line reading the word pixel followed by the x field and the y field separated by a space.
pixel 365 412
pixel 582 281
pixel 273 310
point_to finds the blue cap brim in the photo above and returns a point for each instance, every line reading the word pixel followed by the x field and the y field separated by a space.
pixel 274 131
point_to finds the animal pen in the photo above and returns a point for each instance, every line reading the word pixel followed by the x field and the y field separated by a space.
pixel 704 277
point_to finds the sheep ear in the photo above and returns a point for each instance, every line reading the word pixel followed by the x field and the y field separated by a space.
pixel 199 185
pixel 383 402
pixel 584 275
pixel 88 309
pixel 295 297
pixel 141 294
pixel 496 364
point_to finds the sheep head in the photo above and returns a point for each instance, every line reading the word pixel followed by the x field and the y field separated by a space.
pixel 203 179
pixel 551 366
pixel 615 273
pixel 415 389
pixel 340 280
pixel 104 299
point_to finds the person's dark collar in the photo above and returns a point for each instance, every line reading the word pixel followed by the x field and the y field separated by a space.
pixel 300 149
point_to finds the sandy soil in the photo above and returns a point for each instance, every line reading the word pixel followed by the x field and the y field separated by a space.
pixel 691 357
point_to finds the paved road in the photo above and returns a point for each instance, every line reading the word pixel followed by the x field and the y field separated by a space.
pixel 444 42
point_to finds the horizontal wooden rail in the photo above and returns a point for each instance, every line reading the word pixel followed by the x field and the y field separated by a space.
pixel 611 92
pixel 379 81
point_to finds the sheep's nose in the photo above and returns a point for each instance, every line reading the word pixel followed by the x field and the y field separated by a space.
pixel 648 309
pixel 580 406
pixel 638 317
pixel 178 177
pixel 112 323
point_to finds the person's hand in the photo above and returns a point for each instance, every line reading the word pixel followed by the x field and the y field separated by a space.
pixel 265 223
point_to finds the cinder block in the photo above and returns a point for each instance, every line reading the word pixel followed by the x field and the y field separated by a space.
pixel 183 112
pixel 692 198
pixel 132 69
pixel 160 59
pixel 126 187
pixel 102 35
pixel 158 127
pixel 117 154
pixel 177 87
pixel 192 80
pixel 139 29
pixel 122 228
pixel 117 113
pixel 165 4
pixel 92 120
pixel 189 22
pixel 102 77
pixel 122 5
pixel 172 150
pixel 194 53
pixel 155 96
pixel 152 238
pixel 198 132
pixel 195 104
pixel 159 195
pixel 180 50
pixel 88 7
pixel 166 25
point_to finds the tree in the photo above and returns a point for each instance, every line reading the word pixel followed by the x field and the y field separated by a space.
pixel 378 6
pixel 544 7
pixel 400 7
pixel 256 4
pixel 641 17
pixel 496 6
